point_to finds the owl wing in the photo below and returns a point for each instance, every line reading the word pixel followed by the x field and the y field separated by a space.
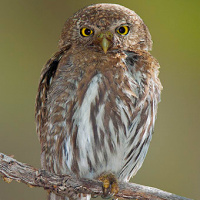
pixel 46 78
pixel 143 78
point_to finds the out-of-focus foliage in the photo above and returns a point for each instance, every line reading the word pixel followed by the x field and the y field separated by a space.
pixel 29 32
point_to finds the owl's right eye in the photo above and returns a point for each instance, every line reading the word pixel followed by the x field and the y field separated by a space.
pixel 86 32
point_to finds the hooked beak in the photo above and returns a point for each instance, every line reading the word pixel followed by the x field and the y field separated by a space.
pixel 105 40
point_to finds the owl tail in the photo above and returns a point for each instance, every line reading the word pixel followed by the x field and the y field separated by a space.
pixel 52 196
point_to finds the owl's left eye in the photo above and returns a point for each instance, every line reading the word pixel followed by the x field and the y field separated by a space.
pixel 123 30
pixel 86 32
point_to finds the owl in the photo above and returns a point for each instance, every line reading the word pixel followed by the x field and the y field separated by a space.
pixel 97 98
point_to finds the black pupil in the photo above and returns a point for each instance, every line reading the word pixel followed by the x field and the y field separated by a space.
pixel 122 30
pixel 87 31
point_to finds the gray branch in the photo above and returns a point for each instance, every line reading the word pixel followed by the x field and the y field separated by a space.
pixel 63 185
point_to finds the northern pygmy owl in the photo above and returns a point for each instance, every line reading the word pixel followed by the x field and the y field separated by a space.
pixel 97 98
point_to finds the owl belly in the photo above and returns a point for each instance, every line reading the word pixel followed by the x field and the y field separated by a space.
pixel 98 134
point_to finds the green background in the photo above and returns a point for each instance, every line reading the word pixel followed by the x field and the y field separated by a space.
pixel 29 32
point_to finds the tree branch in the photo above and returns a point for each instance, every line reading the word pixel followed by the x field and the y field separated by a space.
pixel 11 169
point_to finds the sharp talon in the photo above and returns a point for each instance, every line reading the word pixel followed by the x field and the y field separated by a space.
pixel 110 185
pixel 114 188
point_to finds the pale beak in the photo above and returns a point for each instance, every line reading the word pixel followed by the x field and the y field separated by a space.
pixel 105 44
pixel 105 40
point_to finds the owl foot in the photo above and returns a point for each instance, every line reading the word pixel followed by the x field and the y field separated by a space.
pixel 110 185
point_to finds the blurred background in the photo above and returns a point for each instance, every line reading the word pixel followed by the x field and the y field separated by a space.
pixel 29 32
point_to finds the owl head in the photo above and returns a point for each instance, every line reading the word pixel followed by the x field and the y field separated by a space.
pixel 106 28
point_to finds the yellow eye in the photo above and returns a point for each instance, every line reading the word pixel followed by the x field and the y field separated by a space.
pixel 123 30
pixel 86 32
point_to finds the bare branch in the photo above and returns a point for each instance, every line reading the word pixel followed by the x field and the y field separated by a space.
pixel 11 169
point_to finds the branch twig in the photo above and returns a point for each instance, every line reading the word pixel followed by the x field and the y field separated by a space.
pixel 11 169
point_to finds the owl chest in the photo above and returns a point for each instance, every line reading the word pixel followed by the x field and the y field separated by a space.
pixel 94 123
pixel 100 107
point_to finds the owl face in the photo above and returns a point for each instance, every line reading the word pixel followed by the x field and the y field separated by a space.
pixel 106 28
pixel 106 38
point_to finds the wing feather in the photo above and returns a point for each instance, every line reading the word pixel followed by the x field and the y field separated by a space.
pixel 46 77
pixel 143 81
